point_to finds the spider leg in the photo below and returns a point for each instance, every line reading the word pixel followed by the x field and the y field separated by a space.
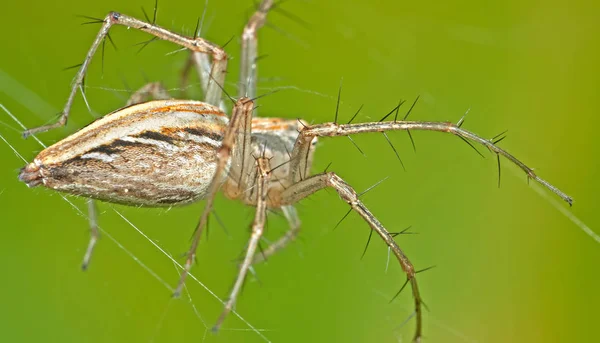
pixel 94 233
pixel 185 76
pixel 302 147
pixel 248 70
pixel 257 231
pixel 233 140
pixel 294 222
pixel 247 83
pixel 219 65
pixel 313 184
pixel 301 186
pixel 153 90
pixel 247 89
pixel 204 66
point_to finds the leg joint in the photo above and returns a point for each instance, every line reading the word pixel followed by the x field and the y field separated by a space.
pixel 113 17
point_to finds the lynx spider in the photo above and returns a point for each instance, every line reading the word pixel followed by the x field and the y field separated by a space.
pixel 168 152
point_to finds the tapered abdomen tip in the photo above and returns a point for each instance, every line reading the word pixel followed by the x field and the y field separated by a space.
pixel 31 175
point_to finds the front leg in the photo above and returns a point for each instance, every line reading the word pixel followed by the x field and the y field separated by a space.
pixel 302 147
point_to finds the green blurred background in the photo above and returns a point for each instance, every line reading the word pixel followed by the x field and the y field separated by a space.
pixel 510 266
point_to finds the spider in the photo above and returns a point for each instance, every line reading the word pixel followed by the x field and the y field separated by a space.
pixel 167 152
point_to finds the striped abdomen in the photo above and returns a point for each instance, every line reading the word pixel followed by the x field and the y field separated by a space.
pixel 158 153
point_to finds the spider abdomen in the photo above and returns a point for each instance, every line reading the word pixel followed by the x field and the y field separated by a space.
pixel 159 153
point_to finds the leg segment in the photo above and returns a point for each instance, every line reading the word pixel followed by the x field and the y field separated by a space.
pixel 242 162
pixel 248 74
pixel 247 84
pixel 302 189
pixel 219 65
pixel 257 231
pixel 303 144
pixel 94 234
pixel 153 90
pixel 292 217
pixel 242 112
pixel 203 67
